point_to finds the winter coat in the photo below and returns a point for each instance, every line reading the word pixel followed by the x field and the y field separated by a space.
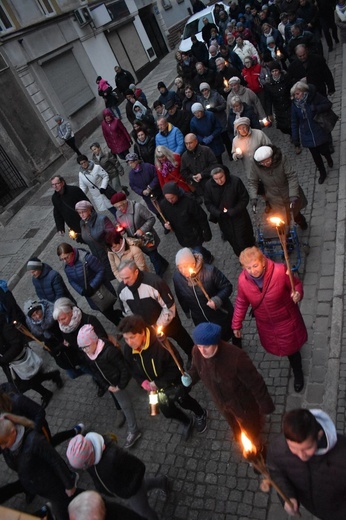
pixel 280 183
pixel 64 130
pixel 95 274
pixel 8 305
pixel 40 468
pixel 253 77
pixel 143 177
pixel 217 105
pixel 168 96
pixel 137 216
pixel 247 49
pixel 94 233
pixel 91 181
pixel 280 325
pixel 200 160
pixel 116 136
pixel 278 98
pixel 247 111
pixel 316 72
pixel 319 483
pixel 208 126
pixel 47 328
pixel 304 128
pixel 276 35
pixel 153 363
pixel 173 176
pixel 233 381
pixel 50 285
pixel 188 220
pixel 71 337
pixel 12 342
pixel 118 472
pixel 247 96
pixel 188 102
pixel 207 77
pixel 174 140
pixel 235 224
pixel 111 365
pixel 221 76
pixel 130 252
pixel 181 119
pixel 64 205
pixel 248 145
pixel 123 80
pixel 193 300
pixel 146 151
pixel 108 162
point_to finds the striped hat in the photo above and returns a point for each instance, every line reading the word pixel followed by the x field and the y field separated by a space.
pixel 34 264
pixel 80 452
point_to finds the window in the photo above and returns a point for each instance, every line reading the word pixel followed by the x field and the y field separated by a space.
pixel 46 7
pixel 5 21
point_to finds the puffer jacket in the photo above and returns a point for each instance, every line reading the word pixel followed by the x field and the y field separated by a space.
pixel 174 140
pixel 109 162
pixel 130 252
pixel 91 180
pixel 116 136
pixel 50 285
pixel 64 130
pixel 217 103
pixel 207 126
pixel 111 365
pixel 280 325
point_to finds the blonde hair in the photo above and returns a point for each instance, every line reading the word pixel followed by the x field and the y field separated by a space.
pixel 300 85
pixel 249 254
pixel 163 151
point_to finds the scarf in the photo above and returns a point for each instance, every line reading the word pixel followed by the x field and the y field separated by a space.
pixel 99 348
pixel 141 143
pixel 301 104
pixel 72 261
pixel 166 168
pixel 341 12
pixel 74 323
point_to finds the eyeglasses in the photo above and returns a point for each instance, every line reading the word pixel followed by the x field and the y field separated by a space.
pixel 64 258
pixel 56 184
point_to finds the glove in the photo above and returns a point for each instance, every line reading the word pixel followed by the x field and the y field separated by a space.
pixel 208 139
pixel 253 203
pixel 102 190
pixel 89 291
pixel 146 385
pixel 186 379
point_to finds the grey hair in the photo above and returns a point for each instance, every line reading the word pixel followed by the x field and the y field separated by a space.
pixel 236 99
pixel 216 170
pixel 131 264
pixel 300 85
pixel 220 60
pixel 62 305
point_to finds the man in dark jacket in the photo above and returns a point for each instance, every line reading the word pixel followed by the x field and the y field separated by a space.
pixel 199 50
pixel 64 199
pixel 149 296
pixel 236 387
pixel 307 462
pixel 187 219
pixel 197 163
pixel 153 367
pixel 203 75
pixel 123 79
pixel 178 117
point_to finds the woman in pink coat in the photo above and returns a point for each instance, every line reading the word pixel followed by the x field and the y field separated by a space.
pixel 116 136
pixel 265 286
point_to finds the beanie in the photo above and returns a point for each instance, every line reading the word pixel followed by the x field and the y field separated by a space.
pixel 262 153
pixel 132 86
pixel 241 121
pixel 83 204
pixel 131 157
pixel 274 65
pixel 171 188
pixel 86 336
pixel 34 264
pixel 233 79
pixel 118 197
pixel 170 103
pixel 270 39
pixel 30 306
pixel 185 256
pixel 203 86
pixel 196 107
pixel 207 334
pixel 80 452
pixel 161 85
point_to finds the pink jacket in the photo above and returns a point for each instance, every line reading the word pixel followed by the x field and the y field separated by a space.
pixel 280 325
pixel 115 134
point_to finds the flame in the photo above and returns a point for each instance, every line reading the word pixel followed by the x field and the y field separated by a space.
pixel 238 151
pixel 276 221
pixel 225 82
pixel 265 121
pixel 119 228
pixel 247 444
pixel 72 234
pixel 191 271
pixel 159 330
pixel 278 53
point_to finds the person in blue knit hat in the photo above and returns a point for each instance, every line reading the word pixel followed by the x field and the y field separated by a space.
pixel 236 386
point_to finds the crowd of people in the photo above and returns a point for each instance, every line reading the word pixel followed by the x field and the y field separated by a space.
pixel 257 65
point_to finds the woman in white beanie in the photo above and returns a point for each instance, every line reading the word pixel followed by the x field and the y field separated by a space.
pixel 246 142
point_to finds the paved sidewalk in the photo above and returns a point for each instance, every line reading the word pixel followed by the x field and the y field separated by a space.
pixel 210 479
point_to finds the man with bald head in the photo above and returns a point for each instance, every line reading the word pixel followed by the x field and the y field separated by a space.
pixel 197 163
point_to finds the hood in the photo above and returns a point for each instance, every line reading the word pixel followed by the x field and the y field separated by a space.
pixel 98 445
pixel 30 304
pixel 107 112
pixel 103 84
pixel 329 429
pixel 142 112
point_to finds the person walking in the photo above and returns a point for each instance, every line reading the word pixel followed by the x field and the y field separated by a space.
pixel 115 134
pixel 111 164
pixel 65 133
pixel 64 199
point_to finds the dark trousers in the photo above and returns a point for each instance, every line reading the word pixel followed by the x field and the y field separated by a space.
pixel 178 394
pixel 72 144
pixel 176 331
pixel 296 363
pixel 317 152
pixel 160 264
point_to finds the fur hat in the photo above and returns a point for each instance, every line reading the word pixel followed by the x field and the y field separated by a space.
pixel 185 256
pixel 262 153
pixel 207 334
pixel 34 264
pixel 118 197
pixel 196 107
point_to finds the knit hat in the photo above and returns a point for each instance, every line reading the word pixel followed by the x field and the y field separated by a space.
pixel 239 24
pixel 34 264
pixel 184 256
pixel 262 153
pixel 196 107
pixel 132 86
pixel 58 118
pixel 161 85
pixel 203 86
pixel 233 79
pixel 118 197
pixel 274 65
pixel 171 188
pixel 207 334
pixel 83 204
pixel 131 157
pixel 270 39
pixel 241 121
pixel 80 452
pixel 86 336
pixel 170 103
pixel 30 306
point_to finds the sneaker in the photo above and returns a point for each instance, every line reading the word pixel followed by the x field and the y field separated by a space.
pixel 201 422
pixel 187 430
pixel 79 428
pixel 131 439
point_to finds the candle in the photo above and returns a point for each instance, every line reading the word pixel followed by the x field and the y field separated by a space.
pixel 238 151
pixel 72 234
pixel 119 228
pixel 207 106
pixel 225 210
pixel 265 121
pixel 225 82
pixel 278 53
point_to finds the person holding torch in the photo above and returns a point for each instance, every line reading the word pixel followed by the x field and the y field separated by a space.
pixel 266 286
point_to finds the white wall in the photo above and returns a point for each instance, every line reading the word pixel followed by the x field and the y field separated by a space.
pixel 101 56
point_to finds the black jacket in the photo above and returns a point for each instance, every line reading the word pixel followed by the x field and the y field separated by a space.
pixel 64 205
pixel 111 365
pixel 316 72
pixel 181 119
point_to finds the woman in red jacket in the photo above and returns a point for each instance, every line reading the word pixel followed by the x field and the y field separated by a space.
pixel 116 136
pixel 265 286
pixel 167 166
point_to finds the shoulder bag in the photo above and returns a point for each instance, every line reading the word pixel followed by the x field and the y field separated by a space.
pixel 102 297
pixel 28 364
pixel 147 241
pixel 326 120
pixel 109 190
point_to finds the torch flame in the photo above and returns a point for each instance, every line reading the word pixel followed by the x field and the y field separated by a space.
pixel 159 330
pixel 247 444
pixel 278 53
pixel 225 82
pixel 191 271
pixel 119 229
pixel 72 234
pixel 238 151
pixel 276 221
